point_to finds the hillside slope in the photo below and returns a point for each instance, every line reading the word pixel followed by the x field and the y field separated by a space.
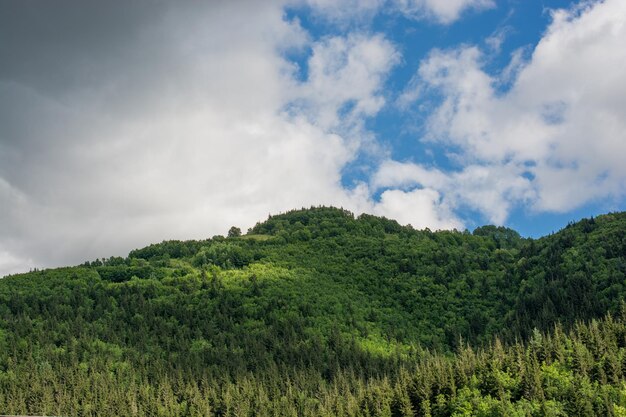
pixel 317 296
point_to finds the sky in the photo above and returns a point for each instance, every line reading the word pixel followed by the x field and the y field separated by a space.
pixel 125 123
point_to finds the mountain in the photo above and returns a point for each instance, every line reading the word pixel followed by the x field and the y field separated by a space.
pixel 319 312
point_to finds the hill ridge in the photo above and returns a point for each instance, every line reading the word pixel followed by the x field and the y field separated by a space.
pixel 339 297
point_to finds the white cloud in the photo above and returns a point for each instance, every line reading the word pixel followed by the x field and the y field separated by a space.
pixel 555 140
pixel 175 127
pixel 342 11
pixel 419 207
pixel 443 11
pixel 439 11
pixel 345 79
pixel 488 189
pixel 397 174
pixel 10 264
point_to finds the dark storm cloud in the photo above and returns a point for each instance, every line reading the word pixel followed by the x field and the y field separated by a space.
pixel 124 123
pixel 54 46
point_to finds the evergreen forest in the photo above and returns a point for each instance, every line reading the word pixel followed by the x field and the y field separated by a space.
pixel 317 312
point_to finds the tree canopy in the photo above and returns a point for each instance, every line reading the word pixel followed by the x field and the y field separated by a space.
pixel 319 312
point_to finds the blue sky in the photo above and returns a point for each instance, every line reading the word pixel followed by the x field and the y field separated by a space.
pixel 519 25
pixel 124 124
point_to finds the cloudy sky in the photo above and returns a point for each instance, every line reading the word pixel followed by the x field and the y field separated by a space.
pixel 124 123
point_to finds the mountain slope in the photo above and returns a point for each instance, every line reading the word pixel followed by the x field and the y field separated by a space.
pixel 313 294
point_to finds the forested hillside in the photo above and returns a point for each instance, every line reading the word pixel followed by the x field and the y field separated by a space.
pixel 316 312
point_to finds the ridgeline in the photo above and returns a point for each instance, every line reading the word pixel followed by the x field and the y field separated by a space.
pixel 318 313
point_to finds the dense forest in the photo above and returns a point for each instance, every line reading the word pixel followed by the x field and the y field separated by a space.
pixel 317 312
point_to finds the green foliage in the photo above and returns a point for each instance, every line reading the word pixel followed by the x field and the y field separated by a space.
pixel 316 312
pixel 234 232
pixel 224 255
pixel 503 237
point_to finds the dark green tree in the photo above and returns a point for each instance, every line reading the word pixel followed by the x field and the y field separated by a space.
pixel 234 232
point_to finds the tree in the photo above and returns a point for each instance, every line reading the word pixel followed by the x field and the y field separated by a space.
pixel 234 232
